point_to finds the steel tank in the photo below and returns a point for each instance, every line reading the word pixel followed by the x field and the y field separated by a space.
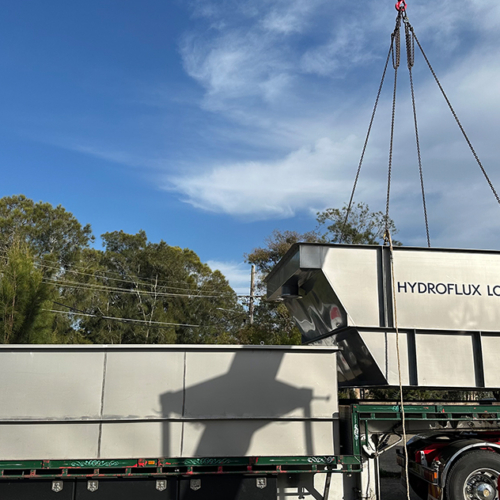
pixel 441 305
pixel 98 402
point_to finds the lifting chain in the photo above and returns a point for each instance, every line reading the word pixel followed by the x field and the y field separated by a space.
pixel 396 56
pixel 395 35
pixel 349 206
pixel 457 120
pixel 401 6
pixel 410 43
pixel 410 56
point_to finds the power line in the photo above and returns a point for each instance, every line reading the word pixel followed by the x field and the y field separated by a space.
pixel 102 275
pixel 122 320
pixel 136 283
pixel 104 288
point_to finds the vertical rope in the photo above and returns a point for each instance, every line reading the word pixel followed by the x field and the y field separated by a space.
pixel 401 396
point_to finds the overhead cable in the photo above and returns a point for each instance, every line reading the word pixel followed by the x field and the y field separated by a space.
pixel 104 288
pixel 103 273
pixel 122 320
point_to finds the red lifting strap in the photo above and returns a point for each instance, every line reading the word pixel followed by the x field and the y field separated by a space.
pixel 401 5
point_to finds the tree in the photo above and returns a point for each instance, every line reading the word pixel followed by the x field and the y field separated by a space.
pixel 55 242
pixel 277 245
pixel 49 232
pixel 272 323
pixel 25 299
pixel 133 291
pixel 361 227
pixel 163 294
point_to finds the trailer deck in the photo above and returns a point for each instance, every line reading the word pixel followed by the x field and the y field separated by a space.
pixel 365 419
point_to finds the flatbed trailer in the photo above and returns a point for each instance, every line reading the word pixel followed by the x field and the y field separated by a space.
pixel 465 428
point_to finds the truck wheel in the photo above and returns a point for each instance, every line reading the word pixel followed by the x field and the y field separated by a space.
pixel 474 477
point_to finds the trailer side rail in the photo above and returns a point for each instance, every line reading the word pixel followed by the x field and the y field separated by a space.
pixel 178 466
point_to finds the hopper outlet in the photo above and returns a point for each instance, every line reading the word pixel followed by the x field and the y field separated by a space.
pixel 447 304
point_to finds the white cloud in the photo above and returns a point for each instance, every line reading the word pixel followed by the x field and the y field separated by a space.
pixel 232 67
pixel 237 273
pixel 292 85
pixel 320 174
pixel 290 16
pixel 347 48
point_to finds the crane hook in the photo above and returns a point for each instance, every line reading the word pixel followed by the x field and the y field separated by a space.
pixel 401 6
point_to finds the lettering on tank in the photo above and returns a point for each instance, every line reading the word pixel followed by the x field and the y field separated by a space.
pixel 458 289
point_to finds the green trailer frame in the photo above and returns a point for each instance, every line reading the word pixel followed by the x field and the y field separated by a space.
pixel 360 415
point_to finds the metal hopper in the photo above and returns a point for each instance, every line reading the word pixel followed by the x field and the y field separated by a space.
pixel 447 304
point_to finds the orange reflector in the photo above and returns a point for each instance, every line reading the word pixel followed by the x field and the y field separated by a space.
pixel 431 476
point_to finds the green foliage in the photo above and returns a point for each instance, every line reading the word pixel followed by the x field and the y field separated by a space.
pixel 48 231
pixel 277 245
pixel 55 242
pixel 156 289
pixel 272 325
pixel 24 299
pixel 362 226
pixel 136 291
pixel 168 292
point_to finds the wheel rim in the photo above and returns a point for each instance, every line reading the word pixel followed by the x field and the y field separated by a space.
pixel 481 484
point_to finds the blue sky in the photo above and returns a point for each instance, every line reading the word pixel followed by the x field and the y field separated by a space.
pixel 210 123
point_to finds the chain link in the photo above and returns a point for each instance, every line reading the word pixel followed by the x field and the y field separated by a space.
pixel 394 59
pixel 410 44
pixel 396 48
pixel 396 44
pixel 410 52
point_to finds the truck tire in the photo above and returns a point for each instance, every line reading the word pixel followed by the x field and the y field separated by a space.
pixel 474 476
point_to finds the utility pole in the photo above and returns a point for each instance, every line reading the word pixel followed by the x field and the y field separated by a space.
pixel 252 294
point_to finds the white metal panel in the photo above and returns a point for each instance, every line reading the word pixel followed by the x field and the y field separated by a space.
pixel 432 288
pixel 353 274
pixel 382 346
pixel 491 351
pixel 258 438
pixel 143 389
pixel 46 384
pixel 48 441
pixel 445 360
pixel 136 383
pixel 141 440
pixel 259 383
